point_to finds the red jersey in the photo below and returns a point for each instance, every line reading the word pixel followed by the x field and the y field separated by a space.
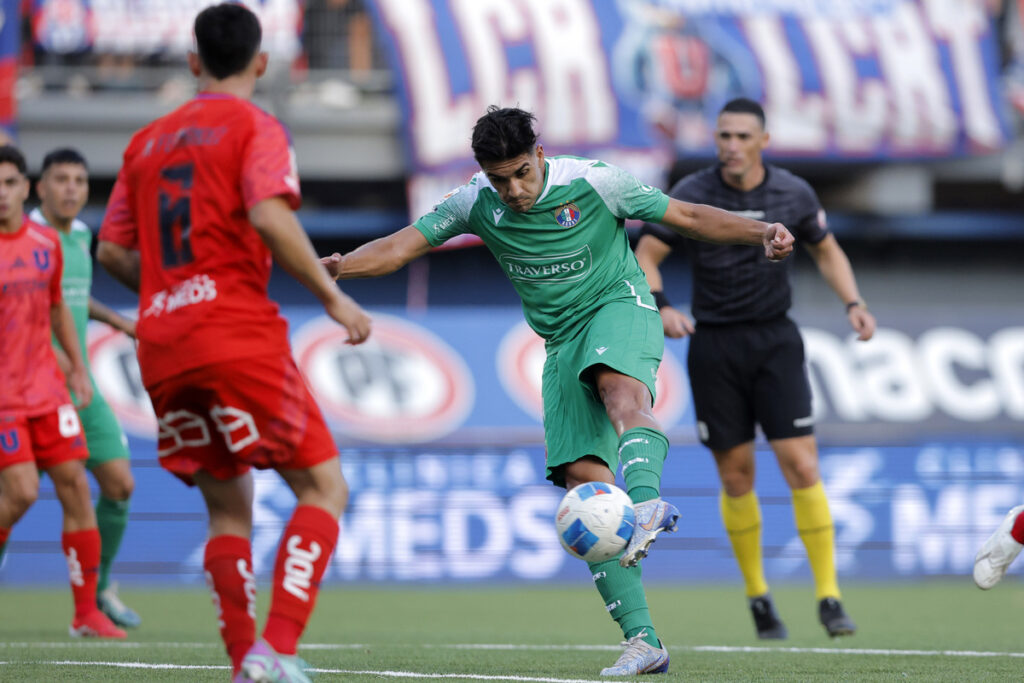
pixel 182 198
pixel 31 264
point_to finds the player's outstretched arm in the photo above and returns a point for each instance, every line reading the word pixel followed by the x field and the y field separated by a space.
pixel 64 329
pixel 105 314
pixel 280 230
pixel 709 224
pixel 650 252
pixel 378 257
pixel 121 263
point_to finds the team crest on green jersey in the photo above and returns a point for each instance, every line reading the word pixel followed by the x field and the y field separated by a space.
pixel 568 215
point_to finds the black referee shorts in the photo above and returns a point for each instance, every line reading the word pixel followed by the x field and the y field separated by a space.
pixel 749 373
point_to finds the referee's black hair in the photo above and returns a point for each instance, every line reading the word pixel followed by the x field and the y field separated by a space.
pixel 63 155
pixel 744 105
pixel 228 35
pixel 9 154
pixel 503 134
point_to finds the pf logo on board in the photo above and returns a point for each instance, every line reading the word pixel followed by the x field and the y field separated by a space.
pixel 404 385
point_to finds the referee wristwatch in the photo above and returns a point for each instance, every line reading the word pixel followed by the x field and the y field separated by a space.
pixel 856 302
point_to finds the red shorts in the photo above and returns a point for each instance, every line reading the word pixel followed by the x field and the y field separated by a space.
pixel 228 417
pixel 47 440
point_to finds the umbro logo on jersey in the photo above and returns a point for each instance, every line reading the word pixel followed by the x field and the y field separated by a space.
pixel 497 213
pixel 601 349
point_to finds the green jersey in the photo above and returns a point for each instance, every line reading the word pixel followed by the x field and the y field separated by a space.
pixel 569 254
pixel 76 281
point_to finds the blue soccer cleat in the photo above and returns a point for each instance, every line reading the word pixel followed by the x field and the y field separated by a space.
pixel 639 658
pixel 262 664
pixel 652 517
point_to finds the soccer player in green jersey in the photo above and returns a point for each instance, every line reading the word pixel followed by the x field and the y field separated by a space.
pixel 63 189
pixel 556 227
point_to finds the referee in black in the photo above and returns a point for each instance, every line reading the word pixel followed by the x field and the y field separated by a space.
pixel 746 357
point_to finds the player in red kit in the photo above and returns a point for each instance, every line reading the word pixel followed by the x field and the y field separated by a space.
pixel 39 427
pixel 204 199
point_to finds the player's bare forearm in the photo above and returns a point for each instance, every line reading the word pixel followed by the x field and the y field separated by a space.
pixel 63 326
pixel 121 263
pixel 63 362
pixel 281 231
pixel 709 224
pixel 378 257
pixel 104 314
pixel 64 330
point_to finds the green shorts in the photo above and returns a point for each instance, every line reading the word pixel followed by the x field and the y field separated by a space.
pixel 622 335
pixel 103 434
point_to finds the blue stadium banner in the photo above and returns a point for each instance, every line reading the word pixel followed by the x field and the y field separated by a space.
pixel 10 44
pixel 428 514
pixel 635 82
pixel 150 27
pixel 438 421
pixel 465 375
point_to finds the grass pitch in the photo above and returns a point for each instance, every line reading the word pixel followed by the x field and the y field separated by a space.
pixel 932 631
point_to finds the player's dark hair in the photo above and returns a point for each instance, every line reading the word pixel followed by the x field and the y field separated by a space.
pixel 9 154
pixel 227 37
pixel 63 155
pixel 502 134
pixel 743 105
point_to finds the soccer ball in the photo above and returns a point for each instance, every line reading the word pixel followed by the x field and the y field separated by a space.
pixel 595 521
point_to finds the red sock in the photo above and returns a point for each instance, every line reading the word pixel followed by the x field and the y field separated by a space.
pixel 306 547
pixel 5 532
pixel 1018 528
pixel 228 565
pixel 82 552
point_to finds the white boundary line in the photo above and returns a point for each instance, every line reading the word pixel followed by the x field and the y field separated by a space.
pixel 352 672
pixel 114 644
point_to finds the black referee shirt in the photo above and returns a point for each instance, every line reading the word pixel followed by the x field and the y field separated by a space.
pixel 736 283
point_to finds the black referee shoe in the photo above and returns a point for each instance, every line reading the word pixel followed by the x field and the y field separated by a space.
pixel 767 622
pixel 834 619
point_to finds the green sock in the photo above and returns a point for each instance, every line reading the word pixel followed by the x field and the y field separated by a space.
pixel 624 598
pixel 642 452
pixel 112 518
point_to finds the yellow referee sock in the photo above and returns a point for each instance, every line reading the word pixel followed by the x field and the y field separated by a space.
pixel 742 518
pixel 814 524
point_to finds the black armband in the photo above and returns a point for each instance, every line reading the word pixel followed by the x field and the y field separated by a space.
pixel 660 300
pixel 858 302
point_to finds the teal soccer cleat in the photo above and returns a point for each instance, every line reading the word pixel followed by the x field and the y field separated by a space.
pixel 110 604
pixel 263 665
